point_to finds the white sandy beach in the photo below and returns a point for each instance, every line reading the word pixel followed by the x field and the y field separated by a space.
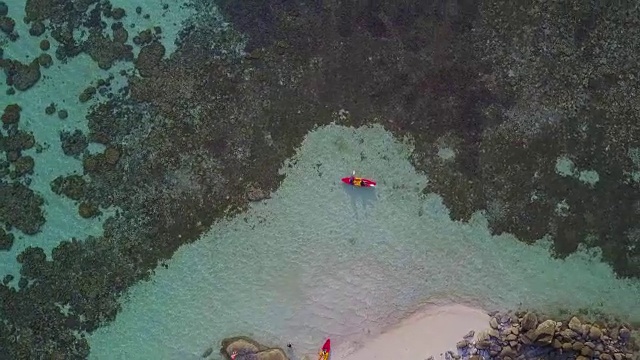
pixel 429 332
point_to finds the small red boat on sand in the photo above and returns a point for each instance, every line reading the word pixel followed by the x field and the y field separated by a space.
pixel 325 352
pixel 358 181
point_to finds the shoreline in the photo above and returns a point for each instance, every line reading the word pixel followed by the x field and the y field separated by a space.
pixel 458 331
pixel 454 331
pixel 429 332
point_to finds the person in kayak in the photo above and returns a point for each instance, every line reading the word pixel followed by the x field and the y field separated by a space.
pixel 352 177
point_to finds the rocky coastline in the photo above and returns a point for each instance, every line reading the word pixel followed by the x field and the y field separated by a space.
pixel 509 336
pixel 527 335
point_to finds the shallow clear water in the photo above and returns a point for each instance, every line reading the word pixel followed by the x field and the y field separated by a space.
pixel 323 259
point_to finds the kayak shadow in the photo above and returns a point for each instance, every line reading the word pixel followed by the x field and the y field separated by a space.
pixel 363 196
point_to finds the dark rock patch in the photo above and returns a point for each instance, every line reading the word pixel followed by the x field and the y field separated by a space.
pixel 45 60
pixel 87 94
pixel 21 208
pixel 50 109
pixel 6 242
pixel 23 166
pixel 11 114
pixel 106 51
pixel 88 210
pixel 149 59
pixel 73 186
pixel 21 76
pixel 73 143
pixel 44 45
pixel 37 28
pixel 7 24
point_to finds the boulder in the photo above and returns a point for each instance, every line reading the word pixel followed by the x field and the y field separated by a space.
pixel 614 333
pixel 508 351
pixel 529 321
pixel 624 334
pixel 544 333
pixel 528 337
pixel 586 351
pixel 575 325
pixel 568 334
pixel 595 333
pixel 493 333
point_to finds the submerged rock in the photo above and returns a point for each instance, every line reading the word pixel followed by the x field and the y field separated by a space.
pixel 21 76
pixel 272 354
pixel 247 346
pixel 11 114
pixel 6 240
pixel 73 144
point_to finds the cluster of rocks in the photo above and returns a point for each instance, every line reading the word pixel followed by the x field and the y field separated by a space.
pixel 22 76
pixel 7 24
pixel 247 348
pixel 51 109
pixel 523 336
pixel 20 207
pixel 104 49
pixel 17 164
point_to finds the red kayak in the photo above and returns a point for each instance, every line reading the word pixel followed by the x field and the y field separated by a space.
pixel 325 351
pixel 358 181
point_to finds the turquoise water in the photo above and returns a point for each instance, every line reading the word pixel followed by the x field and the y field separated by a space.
pixel 61 84
pixel 322 259
pixel 317 259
